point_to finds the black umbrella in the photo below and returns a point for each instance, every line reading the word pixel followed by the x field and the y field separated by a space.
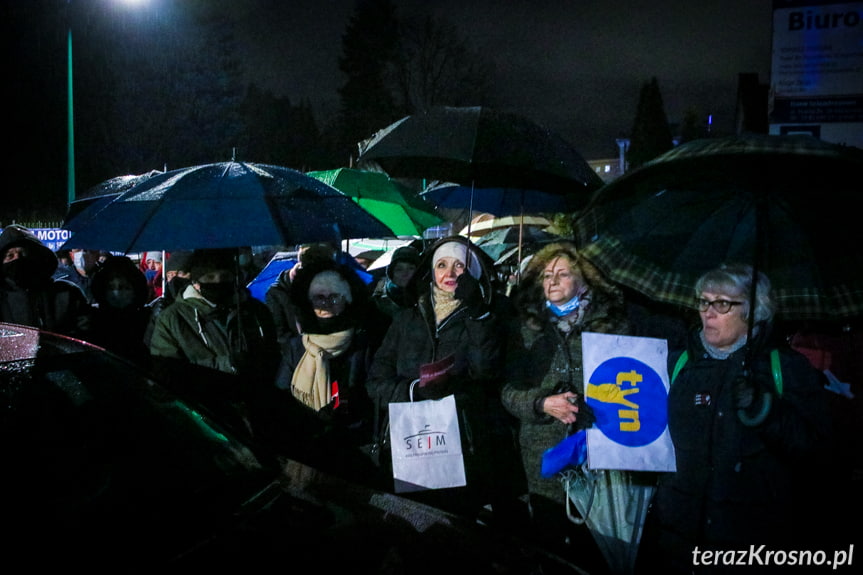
pixel 785 204
pixel 482 147
pixel 222 205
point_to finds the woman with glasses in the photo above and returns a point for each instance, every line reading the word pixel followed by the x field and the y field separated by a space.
pixel 748 419
pixel 320 412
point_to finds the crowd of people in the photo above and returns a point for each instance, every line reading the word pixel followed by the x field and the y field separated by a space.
pixel 310 371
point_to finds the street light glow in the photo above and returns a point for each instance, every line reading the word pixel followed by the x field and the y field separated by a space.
pixel 70 180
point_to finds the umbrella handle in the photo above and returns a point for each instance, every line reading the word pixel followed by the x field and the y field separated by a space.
pixel 758 418
pixel 569 514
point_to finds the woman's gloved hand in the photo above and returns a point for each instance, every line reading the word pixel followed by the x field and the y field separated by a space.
pixel 469 292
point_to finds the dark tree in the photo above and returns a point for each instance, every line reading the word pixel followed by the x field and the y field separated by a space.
pixel 368 51
pixel 651 135
pixel 270 131
pixel 436 66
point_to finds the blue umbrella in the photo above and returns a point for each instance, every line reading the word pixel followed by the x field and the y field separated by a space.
pixel 223 205
pixel 499 201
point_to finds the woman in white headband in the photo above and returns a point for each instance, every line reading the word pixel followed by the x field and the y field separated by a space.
pixel 453 336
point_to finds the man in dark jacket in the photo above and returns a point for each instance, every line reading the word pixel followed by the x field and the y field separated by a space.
pixel 216 344
pixel 29 295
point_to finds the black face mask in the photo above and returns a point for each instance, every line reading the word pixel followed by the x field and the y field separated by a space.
pixel 177 284
pixel 22 272
pixel 221 293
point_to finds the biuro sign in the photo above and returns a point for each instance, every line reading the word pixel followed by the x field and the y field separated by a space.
pixel 626 385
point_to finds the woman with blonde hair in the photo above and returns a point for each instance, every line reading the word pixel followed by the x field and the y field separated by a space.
pixel 561 296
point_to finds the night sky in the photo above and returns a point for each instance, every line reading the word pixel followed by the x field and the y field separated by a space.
pixel 573 66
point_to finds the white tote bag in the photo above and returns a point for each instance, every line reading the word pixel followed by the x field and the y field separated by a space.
pixel 426 445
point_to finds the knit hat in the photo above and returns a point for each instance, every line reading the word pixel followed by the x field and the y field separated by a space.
pixel 202 262
pixel 458 251
pixel 178 261
pixel 154 256
pixel 408 254
pixel 329 282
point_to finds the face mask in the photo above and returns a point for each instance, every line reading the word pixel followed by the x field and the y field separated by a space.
pixel 21 272
pixel 176 285
pixel 566 308
pixel 221 293
pixel 119 298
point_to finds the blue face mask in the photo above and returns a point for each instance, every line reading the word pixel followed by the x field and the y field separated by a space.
pixel 566 308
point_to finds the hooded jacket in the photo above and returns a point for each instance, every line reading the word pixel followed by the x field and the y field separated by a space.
pixel 547 362
pixel 472 341
pixel 44 302
pixel 348 369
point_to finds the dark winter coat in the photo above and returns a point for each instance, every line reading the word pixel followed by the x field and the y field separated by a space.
pixel 737 485
pixel 550 362
pixel 278 299
pixel 474 340
pixel 216 355
pixel 44 302
pixel 121 330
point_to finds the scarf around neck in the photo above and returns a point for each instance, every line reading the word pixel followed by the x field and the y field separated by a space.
pixel 443 303
pixel 311 381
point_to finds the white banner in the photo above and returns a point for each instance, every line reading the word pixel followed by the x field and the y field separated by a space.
pixel 626 384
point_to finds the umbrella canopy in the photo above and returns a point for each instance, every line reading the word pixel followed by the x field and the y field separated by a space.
pixel 396 205
pixel 222 205
pixel 102 194
pixel 483 225
pixel 501 241
pixel 500 201
pixel 480 146
pixel 785 204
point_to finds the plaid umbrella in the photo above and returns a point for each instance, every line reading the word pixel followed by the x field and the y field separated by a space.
pixel 785 204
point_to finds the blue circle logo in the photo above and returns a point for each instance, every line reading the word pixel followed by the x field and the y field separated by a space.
pixel 629 401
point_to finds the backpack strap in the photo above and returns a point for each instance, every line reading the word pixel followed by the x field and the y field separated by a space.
pixel 681 361
pixel 775 367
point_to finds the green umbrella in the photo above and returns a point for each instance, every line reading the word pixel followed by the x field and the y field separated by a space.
pixel 394 204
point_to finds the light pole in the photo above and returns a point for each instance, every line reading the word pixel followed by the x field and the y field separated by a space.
pixel 70 128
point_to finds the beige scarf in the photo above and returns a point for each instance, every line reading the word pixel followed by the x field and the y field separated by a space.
pixel 444 303
pixel 311 381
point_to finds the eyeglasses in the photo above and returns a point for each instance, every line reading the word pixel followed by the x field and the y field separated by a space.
pixel 320 300
pixel 722 306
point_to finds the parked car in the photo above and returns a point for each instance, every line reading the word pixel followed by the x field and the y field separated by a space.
pixel 106 470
